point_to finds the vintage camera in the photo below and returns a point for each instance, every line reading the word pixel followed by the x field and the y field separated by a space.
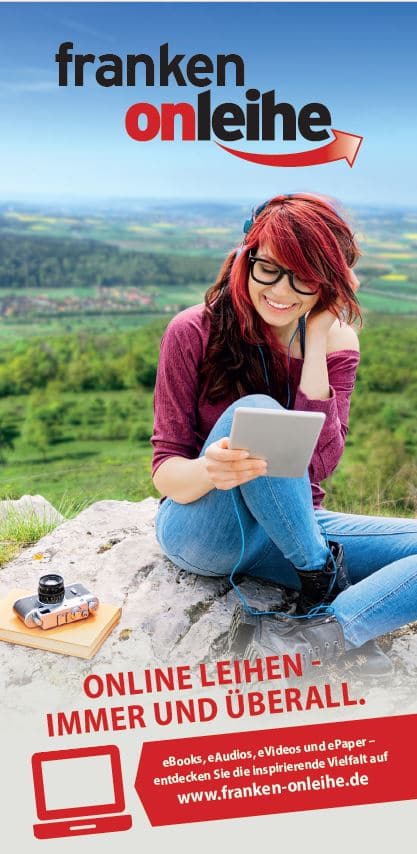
pixel 56 605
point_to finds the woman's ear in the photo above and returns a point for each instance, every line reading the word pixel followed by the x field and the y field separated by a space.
pixel 353 280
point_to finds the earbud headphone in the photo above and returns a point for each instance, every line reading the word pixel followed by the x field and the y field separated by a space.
pixel 247 225
pixel 301 328
pixel 255 212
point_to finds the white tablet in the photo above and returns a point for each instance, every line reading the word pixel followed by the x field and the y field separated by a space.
pixel 284 438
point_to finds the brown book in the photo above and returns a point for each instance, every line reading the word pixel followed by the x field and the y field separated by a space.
pixel 81 639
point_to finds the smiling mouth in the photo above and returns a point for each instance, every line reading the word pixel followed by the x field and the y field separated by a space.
pixel 279 306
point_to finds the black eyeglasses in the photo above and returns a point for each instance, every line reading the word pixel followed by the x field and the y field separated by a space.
pixel 265 273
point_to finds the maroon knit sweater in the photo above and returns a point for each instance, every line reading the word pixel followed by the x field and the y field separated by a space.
pixel 184 416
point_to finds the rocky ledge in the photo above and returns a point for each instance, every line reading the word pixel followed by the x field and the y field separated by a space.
pixel 168 615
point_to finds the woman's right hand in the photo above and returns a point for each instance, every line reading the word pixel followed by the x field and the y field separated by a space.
pixel 227 468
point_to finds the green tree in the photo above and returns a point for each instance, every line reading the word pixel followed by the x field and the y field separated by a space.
pixel 8 433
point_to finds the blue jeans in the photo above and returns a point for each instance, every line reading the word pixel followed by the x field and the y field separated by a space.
pixel 280 531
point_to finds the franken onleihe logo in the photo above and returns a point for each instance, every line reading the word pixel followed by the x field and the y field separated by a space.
pixel 263 117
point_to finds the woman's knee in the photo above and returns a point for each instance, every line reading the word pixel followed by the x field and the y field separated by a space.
pixel 257 401
pixel 189 545
pixel 223 425
pixel 253 401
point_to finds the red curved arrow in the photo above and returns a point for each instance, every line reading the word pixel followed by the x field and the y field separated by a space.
pixel 344 146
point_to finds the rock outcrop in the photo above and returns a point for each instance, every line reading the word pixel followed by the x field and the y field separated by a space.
pixel 34 505
pixel 168 615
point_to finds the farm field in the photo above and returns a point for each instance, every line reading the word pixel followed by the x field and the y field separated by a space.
pixel 387 268
pixel 166 229
pixel 11 331
pixel 77 476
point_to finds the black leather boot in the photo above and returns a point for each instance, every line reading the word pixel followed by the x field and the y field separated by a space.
pixel 321 586
pixel 319 640
pixel 368 659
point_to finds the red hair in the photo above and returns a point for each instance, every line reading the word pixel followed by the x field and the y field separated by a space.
pixel 308 236
pixel 305 234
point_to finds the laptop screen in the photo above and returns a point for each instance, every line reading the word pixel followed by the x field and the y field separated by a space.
pixel 85 781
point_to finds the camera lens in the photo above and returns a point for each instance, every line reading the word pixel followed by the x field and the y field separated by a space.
pixel 51 589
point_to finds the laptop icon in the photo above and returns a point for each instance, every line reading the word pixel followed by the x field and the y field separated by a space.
pixel 79 791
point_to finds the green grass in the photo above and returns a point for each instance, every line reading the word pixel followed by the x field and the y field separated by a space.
pixel 70 480
pixel 406 288
pixel 8 551
pixel 13 331
pixel 20 528
pixel 182 296
pixel 86 465
pixel 387 304
pixel 349 491
pixel 84 471
pixel 23 528
pixel 51 293
pixel 169 293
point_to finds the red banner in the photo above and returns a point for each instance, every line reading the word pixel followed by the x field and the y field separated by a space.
pixel 278 770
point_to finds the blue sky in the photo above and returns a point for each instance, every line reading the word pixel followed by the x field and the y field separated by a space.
pixel 357 58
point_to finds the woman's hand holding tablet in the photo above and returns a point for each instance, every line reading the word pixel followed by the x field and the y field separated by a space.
pixel 285 439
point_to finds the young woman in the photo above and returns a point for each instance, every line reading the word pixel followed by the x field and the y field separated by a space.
pixel 276 331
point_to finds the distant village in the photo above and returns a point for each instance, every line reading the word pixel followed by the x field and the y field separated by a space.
pixel 101 301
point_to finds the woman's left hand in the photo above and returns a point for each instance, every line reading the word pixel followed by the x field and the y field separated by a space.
pixel 321 322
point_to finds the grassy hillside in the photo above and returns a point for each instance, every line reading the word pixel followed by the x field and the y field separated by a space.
pixel 80 298
pixel 77 425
